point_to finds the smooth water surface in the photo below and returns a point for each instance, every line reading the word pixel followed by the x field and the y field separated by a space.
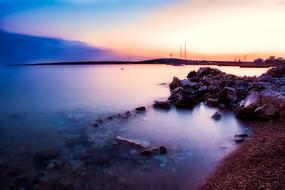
pixel 46 107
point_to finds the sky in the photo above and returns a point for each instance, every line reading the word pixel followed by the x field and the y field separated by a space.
pixel 211 29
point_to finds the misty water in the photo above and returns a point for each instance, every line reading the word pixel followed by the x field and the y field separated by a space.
pixel 43 107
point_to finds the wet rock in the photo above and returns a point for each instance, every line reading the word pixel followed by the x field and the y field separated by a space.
pixel 191 74
pixel 141 109
pixel 249 97
pixel 162 150
pixel 212 102
pixel 47 154
pixel 162 105
pixel 207 71
pixel 128 114
pixel 266 104
pixel 124 141
pixel 243 135
pixel 239 140
pixel 175 83
pixel 162 84
pixel 247 107
pixel 217 116
pixel 154 151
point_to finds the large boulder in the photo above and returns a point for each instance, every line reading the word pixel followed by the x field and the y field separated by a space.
pixel 175 83
pixel 191 74
pixel 266 104
pixel 276 72
pixel 273 103
pixel 204 71
pixel 246 108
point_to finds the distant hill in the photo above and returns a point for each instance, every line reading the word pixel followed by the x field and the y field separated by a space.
pixel 22 49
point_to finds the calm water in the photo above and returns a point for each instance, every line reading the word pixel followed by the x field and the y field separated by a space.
pixel 55 106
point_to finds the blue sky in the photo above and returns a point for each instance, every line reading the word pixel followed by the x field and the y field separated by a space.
pixel 156 28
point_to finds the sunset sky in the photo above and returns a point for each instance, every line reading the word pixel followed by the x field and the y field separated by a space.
pixel 212 29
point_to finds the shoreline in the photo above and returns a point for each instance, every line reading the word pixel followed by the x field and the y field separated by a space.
pixel 174 62
pixel 256 164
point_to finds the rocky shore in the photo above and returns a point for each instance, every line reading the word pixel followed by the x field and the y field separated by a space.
pixel 253 98
pixel 259 163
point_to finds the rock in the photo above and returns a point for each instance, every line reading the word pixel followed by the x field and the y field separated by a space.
pixel 141 109
pixel 249 97
pixel 128 114
pixel 162 84
pixel 216 116
pixel 185 98
pixel 212 102
pixel 162 150
pixel 175 83
pixel 191 74
pixel 266 104
pixel 243 135
pixel 247 107
pixel 207 71
pixel 46 154
pixel 239 140
pixel 162 105
pixel 188 83
pixel 153 151
pixel 276 72
pixel 231 93
pixel 121 140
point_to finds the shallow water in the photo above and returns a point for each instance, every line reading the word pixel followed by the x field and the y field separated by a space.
pixel 55 106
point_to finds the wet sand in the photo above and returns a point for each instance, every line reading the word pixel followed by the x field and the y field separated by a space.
pixel 258 164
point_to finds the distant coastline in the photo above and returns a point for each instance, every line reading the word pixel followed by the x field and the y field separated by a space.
pixel 163 61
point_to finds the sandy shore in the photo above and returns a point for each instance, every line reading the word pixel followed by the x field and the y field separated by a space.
pixel 258 164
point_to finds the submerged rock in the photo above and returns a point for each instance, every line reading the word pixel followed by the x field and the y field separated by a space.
pixel 141 109
pixel 154 150
pixel 243 135
pixel 124 141
pixel 239 140
pixel 217 116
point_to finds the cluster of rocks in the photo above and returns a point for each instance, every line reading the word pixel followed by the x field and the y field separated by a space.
pixel 100 121
pixel 260 97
